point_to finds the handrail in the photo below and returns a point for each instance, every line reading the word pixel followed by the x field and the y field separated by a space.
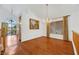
pixel 76 32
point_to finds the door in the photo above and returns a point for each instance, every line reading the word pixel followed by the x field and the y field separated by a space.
pixel 4 29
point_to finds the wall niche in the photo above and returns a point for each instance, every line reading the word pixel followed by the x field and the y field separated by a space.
pixel 59 28
pixel 56 27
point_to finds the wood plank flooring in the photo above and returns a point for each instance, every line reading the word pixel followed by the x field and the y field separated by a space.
pixel 41 46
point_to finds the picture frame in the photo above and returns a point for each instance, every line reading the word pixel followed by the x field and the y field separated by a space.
pixel 34 24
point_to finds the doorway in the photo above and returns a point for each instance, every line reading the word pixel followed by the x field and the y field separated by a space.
pixel 12 38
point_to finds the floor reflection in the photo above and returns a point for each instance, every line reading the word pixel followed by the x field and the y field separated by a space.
pixel 11 50
pixel 11 40
pixel 11 44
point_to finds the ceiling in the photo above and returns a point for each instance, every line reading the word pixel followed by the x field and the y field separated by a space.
pixel 54 10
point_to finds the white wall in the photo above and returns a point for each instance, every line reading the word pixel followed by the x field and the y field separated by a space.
pixel 28 34
pixel 73 24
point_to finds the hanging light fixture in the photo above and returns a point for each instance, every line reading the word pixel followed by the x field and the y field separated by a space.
pixel 47 21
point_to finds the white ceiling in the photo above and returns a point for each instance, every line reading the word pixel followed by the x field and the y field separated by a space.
pixel 54 10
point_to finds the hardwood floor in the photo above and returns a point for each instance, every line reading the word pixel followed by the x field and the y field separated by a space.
pixel 41 46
